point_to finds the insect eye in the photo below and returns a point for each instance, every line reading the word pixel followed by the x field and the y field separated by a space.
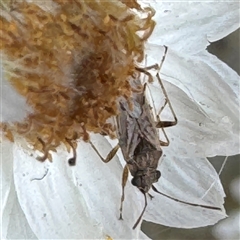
pixel 136 182
pixel 158 174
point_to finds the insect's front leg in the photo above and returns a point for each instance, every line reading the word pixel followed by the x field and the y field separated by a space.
pixel 151 196
pixel 124 181
pixel 110 155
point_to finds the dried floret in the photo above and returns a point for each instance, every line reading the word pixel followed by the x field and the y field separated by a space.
pixel 71 61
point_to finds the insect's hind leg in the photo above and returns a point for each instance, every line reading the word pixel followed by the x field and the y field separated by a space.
pixel 159 123
pixel 164 124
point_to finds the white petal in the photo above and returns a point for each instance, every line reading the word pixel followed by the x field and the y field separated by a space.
pixel 196 134
pixel 75 202
pixel 14 224
pixel 101 188
pixel 222 71
pixel 18 227
pixel 53 206
pixel 188 26
pixel 190 180
pixel 6 163
pixel 6 184
pixel 205 102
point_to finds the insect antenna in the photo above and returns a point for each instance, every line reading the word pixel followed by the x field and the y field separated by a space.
pixel 187 203
pixel 219 173
pixel 140 217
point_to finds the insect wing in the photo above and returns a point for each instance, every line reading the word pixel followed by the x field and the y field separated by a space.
pixel 147 125
pixel 127 131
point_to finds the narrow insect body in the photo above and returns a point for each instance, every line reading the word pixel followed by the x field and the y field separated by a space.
pixel 142 160
pixel 139 140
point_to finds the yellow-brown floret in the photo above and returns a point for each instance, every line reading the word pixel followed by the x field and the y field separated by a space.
pixel 71 63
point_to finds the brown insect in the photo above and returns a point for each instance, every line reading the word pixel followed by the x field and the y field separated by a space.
pixel 140 144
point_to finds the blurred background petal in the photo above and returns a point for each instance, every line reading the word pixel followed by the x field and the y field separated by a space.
pixel 229 229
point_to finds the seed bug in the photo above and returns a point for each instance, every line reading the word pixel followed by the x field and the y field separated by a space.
pixel 140 144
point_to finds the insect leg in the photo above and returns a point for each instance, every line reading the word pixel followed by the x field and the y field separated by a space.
pixel 124 181
pixel 163 58
pixel 155 66
pixel 162 143
pixel 167 101
pixel 159 123
pixel 110 155
pixel 151 196
pixel 140 217
pixel 165 124
pixel 187 203
pixel 145 71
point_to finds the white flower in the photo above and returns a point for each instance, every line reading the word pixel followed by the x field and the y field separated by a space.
pixel 83 202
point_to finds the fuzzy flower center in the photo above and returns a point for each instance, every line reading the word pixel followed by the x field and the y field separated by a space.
pixel 71 63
